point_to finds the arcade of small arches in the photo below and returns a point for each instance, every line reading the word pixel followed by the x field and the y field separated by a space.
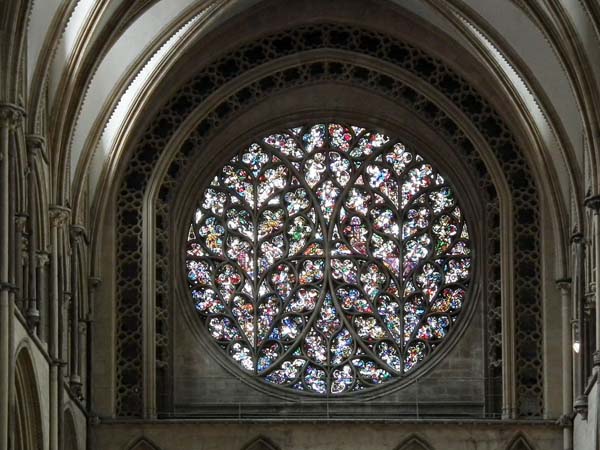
pixel 266 225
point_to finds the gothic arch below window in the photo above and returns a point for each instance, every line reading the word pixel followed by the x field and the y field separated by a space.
pixel 28 422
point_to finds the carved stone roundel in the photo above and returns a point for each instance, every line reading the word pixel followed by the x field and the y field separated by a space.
pixel 328 259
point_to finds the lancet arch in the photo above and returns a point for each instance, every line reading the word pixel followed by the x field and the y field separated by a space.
pixel 28 423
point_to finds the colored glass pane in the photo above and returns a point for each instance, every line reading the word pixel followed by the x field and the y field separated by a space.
pixel 328 259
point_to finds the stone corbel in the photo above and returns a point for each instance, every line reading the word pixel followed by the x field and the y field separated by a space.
pixel 43 258
pixel 566 420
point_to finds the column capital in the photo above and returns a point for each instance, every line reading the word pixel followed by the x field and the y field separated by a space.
pixel 36 144
pixel 78 232
pixel 35 141
pixel 577 237
pixel 21 220
pixel 42 258
pixel 10 287
pixel 564 284
pixel 593 202
pixel 94 282
pixel 11 115
pixel 59 215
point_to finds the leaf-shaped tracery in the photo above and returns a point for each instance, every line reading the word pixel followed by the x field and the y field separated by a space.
pixel 328 259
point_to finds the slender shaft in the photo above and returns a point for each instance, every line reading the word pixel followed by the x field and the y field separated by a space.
pixel 577 295
pixel 58 216
pixel 567 366
pixel 76 235
pixel 53 337
pixel 4 280
pixel 33 314
pixel 593 203
pixel 596 227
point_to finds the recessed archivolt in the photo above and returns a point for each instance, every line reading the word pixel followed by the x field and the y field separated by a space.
pixel 195 141
pixel 71 437
pixel 305 38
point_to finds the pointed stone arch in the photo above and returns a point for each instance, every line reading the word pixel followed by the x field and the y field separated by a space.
pixel 28 433
pixel 143 444
pixel 414 443
pixel 519 442
pixel 261 443
pixel 71 439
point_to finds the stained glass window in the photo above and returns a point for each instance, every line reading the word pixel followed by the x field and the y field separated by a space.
pixel 328 259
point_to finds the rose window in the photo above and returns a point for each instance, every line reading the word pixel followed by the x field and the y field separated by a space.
pixel 328 259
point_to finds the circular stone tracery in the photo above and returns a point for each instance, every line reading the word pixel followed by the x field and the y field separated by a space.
pixel 328 259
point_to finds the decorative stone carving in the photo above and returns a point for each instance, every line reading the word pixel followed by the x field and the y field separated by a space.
pixel 565 420
pixel 59 216
pixel 593 203
pixel 596 358
pixel 564 284
pixel 78 233
pixel 35 143
pixel 42 259
pixel 11 115
pixel 581 406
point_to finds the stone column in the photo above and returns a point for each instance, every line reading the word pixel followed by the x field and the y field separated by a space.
pixel 580 405
pixel 59 217
pixel 77 241
pixel 93 285
pixel 10 117
pixel 593 203
pixel 566 419
pixel 20 257
pixel 42 260
pixel 35 147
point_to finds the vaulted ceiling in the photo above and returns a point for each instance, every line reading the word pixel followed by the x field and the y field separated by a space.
pixel 90 62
